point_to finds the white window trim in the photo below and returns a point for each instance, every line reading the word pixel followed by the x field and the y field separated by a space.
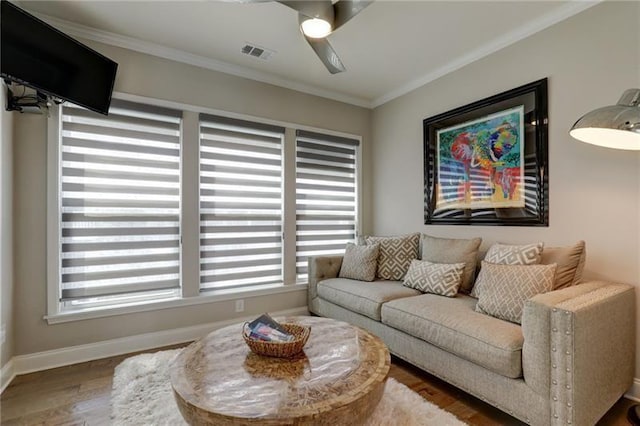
pixel 173 303
pixel 190 217
pixel 53 210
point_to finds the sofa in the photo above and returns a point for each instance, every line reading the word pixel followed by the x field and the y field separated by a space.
pixel 571 358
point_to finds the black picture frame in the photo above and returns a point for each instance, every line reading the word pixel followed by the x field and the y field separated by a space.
pixel 532 209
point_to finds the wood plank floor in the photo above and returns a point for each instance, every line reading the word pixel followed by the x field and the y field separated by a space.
pixel 80 394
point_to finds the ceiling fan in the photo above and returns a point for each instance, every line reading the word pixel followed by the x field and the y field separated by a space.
pixel 319 18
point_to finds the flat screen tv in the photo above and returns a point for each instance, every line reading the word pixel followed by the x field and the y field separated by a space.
pixel 37 55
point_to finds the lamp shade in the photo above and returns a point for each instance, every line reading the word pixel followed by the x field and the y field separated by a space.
pixel 616 126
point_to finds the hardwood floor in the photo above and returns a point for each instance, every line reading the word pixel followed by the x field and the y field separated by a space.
pixel 471 410
pixel 80 394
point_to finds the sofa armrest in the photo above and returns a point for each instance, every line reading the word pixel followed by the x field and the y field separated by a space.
pixel 321 268
pixel 579 348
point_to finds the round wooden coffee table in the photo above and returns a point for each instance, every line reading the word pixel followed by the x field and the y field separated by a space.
pixel 338 379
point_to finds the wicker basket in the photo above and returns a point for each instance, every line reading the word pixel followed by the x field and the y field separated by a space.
pixel 281 349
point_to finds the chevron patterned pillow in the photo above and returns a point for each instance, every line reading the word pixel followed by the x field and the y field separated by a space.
pixel 359 262
pixel 503 289
pixel 503 254
pixel 452 250
pixel 437 278
pixel 396 254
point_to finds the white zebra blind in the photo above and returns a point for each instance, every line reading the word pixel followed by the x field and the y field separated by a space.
pixel 240 203
pixel 120 203
pixel 326 200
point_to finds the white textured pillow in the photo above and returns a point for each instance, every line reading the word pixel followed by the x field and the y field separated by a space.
pixel 437 278
pixel 359 262
pixel 503 289
pixel 503 254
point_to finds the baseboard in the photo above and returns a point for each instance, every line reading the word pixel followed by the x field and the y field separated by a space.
pixel 7 374
pixel 634 391
pixel 23 364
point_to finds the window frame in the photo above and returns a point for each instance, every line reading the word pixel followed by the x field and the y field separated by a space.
pixel 242 127
pixel 166 130
pixel 189 215
pixel 325 139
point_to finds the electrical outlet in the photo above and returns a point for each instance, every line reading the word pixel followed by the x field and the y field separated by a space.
pixel 240 305
pixel 3 334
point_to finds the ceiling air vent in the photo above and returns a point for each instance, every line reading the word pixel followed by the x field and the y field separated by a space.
pixel 257 51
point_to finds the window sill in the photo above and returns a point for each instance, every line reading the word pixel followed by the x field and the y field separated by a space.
pixel 212 297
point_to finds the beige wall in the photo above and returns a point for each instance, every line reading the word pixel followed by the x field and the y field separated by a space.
pixel 594 193
pixel 6 231
pixel 158 78
pixel 590 60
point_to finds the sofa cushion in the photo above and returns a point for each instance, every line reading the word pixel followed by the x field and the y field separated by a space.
pixel 503 289
pixel 437 278
pixel 396 254
pixel 570 261
pixel 453 250
pixel 361 297
pixel 452 324
pixel 359 262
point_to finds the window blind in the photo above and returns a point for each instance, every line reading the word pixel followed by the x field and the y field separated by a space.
pixel 240 203
pixel 326 202
pixel 120 203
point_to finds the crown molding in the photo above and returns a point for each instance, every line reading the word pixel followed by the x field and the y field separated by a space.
pixel 131 43
pixel 572 8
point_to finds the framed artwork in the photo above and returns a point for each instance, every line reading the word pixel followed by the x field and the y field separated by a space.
pixel 486 163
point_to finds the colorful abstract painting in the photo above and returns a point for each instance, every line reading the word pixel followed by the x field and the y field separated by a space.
pixel 480 163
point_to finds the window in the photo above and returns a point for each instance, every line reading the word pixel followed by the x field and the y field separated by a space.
pixel 240 203
pixel 326 201
pixel 164 207
pixel 120 204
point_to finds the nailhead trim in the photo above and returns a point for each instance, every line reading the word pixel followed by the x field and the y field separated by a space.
pixel 561 366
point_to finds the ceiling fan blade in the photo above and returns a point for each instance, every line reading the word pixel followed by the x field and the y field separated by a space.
pixel 344 10
pixel 312 8
pixel 327 55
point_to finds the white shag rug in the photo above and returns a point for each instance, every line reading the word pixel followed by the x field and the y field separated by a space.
pixel 142 395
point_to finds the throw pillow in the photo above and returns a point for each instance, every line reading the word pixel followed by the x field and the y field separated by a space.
pixel 450 250
pixel 359 262
pixel 503 289
pixel 437 278
pixel 503 254
pixel 396 254
pixel 570 261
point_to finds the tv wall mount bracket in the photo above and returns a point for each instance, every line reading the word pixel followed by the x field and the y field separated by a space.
pixel 28 102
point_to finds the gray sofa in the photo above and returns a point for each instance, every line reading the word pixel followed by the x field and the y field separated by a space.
pixel 568 363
